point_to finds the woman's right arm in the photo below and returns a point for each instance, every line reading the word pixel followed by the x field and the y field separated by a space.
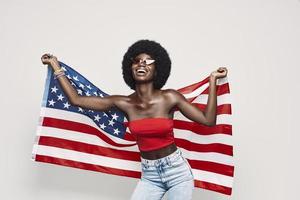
pixel 88 102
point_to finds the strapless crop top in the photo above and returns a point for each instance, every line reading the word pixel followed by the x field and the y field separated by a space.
pixel 152 133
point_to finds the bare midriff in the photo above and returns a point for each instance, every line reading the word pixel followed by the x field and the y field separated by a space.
pixel 159 153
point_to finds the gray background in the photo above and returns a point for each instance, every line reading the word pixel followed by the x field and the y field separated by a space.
pixel 257 40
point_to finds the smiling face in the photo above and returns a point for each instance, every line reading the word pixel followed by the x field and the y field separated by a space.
pixel 143 68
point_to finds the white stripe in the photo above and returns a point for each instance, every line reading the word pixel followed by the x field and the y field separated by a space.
pixel 124 164
pixel 80 137
pixel 203 139
pixel 88 158
pixel 75 117
pixel 196 92
pixel 211 177
pixel 208 156
pixel 94 140
pixel 203 87
pixel 221 99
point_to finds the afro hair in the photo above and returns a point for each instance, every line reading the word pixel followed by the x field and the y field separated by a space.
pixel 157 52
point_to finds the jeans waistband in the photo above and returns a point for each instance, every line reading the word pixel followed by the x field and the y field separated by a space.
pixel 166 159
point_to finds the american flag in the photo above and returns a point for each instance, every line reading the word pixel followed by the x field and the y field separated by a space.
pixel 87 139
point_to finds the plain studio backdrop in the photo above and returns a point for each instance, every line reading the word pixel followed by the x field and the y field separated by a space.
pixel 258 41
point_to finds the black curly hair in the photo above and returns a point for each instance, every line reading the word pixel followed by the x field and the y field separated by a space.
pixel 157 52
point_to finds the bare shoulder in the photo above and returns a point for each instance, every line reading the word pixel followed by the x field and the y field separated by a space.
pixel 172 95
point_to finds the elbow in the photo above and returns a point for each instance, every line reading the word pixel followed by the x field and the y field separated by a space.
pixel 211 123
pixel 74 101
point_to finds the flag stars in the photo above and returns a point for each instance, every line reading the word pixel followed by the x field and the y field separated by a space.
pixel 111 122
pixel 105 115
pixel 80 109
pixel 54 89
pixel 97 117
pixel 116 131
pixel 95 93
pixel 115 116
pixel 64 69
pixel 87 93
pixel 101 95
pixel 79 91
pixel 72 83
pixel 51 102
pixel 81 85
pixel 60 97
pixel 102 126
pixel 67 105
pixel 69 77
pixel 89 86
pixel 75 78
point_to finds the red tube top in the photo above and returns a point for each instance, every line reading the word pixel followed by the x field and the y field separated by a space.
pixel 152 133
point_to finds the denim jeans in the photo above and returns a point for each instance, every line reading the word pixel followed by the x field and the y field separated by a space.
pixel 170 174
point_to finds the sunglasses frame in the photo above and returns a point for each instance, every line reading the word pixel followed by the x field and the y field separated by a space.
pixel 138 61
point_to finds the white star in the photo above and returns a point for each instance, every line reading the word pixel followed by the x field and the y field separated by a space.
pixel 75 78
pixel 64 69
pixel 115 116
pixel 111 122
pixel 66 105
pixel 102 126
pixel 101 95
pixel 87 93
pixel 51 102
pixel 80 109
pixel 60 97
pixel 54 89
pixel 91 111
pixel 81 85
pixel 104 114
pixel 72 83
pixel 79 91
pixel 116 131
pixel 69 77
pixel 88 86
pixel 97 117
pixel 95 93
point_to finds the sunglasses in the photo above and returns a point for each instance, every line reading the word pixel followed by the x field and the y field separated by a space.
pixel 139 60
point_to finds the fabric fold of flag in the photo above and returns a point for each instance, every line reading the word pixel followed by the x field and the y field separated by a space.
pixel 72 136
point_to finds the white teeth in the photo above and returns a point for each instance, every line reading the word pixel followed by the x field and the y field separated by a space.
pixel 141 70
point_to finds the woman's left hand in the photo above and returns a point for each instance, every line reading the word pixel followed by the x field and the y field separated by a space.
pixel 221 72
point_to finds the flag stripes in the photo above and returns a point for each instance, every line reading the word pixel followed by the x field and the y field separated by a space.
pixel 73 139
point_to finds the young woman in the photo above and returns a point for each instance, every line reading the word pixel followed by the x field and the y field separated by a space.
pixel 149 110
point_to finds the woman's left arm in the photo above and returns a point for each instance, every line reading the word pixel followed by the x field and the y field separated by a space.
pixel 208 117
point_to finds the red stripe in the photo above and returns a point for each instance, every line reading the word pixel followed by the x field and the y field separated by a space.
pixel 89 148
pixel 126 155
pixel 80 127
pixel 217 148
pixel 127 173
pixel 86 166
pixel 192 87
pixel 213 187
pixel 218 168
pixel 221 109
pixel 202 129
pixel 221 89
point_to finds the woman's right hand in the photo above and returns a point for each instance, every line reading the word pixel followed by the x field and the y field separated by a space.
pixel 48 59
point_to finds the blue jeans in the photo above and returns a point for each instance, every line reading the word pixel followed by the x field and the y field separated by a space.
pixel 171 173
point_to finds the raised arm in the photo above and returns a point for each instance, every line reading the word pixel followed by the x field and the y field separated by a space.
pixel 88 102
pixel 208 117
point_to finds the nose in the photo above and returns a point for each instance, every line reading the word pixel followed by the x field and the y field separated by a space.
pixel 142 63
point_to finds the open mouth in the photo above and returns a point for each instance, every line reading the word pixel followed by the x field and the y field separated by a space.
pixel 141 72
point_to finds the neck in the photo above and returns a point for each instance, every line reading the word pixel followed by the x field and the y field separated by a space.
pixel 144 91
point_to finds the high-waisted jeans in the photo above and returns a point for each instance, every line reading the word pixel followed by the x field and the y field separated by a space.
pixel 171 173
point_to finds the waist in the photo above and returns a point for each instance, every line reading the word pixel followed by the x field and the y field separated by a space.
pixel 159 153
pixel 168 158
